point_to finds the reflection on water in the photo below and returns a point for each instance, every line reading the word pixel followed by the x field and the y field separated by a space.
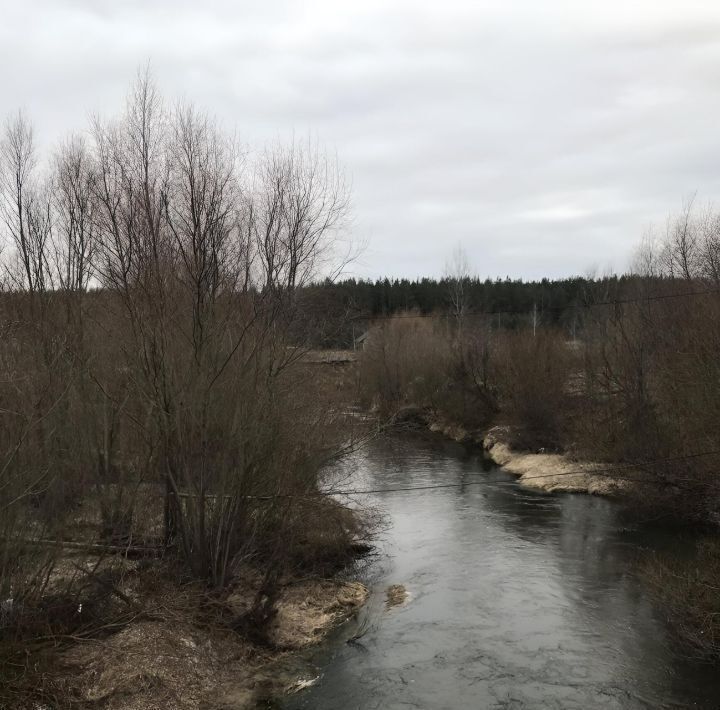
pixel 518 600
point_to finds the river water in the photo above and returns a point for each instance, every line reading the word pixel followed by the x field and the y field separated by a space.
pixel 517 599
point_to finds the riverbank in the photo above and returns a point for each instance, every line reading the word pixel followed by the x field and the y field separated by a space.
pixel 547 472
pixel 551 473
pixel 185 650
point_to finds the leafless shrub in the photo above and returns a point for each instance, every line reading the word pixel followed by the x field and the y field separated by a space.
pixel 429 363
pixel 406 362
pixel 687 590
pixel 651 370
pixel 531 372
pixel 152 348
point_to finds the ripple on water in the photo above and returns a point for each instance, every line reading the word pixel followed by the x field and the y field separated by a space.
pixel 519 600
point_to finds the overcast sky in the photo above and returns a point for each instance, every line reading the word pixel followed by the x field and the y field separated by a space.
pixel 543 135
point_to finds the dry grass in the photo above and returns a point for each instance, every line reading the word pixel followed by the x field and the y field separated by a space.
pixel 396 595
pixel 551 473
pixel 188 658
pixel 689 591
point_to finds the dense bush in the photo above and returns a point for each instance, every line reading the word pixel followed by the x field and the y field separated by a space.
pixel 533 372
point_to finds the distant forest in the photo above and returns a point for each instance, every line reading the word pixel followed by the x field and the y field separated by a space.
pixel 510 302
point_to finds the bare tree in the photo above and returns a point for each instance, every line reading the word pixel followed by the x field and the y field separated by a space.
pixel 180 372
pixel 302 200
pixel 205 266
pixel 709 257
pixel 457 275
pixel 24 204
pixel 74 205
pixel 681 251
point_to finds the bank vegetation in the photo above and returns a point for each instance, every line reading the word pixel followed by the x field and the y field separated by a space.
pixel 154 400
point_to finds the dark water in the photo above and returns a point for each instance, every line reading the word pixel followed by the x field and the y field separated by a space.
pixel 517 600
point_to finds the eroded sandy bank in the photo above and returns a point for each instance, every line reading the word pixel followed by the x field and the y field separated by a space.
pixel 551 472
pixel 540 471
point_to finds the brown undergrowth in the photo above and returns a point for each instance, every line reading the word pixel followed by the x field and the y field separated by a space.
pixel 143 638
pixel 689 591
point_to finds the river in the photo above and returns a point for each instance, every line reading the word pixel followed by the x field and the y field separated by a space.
pixel 517 599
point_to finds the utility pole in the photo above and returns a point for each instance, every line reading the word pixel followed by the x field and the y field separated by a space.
pixel 535 319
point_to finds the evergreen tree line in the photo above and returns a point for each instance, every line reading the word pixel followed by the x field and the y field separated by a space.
pixel 507 303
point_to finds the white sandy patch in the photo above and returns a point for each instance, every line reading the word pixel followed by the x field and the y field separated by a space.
pixel 555 472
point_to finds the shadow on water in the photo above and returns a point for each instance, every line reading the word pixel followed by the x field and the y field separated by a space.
pixel 517 599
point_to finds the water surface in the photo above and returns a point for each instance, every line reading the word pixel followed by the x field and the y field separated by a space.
pixel 517 599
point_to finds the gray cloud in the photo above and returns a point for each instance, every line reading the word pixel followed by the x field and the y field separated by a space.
pixel 543 136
